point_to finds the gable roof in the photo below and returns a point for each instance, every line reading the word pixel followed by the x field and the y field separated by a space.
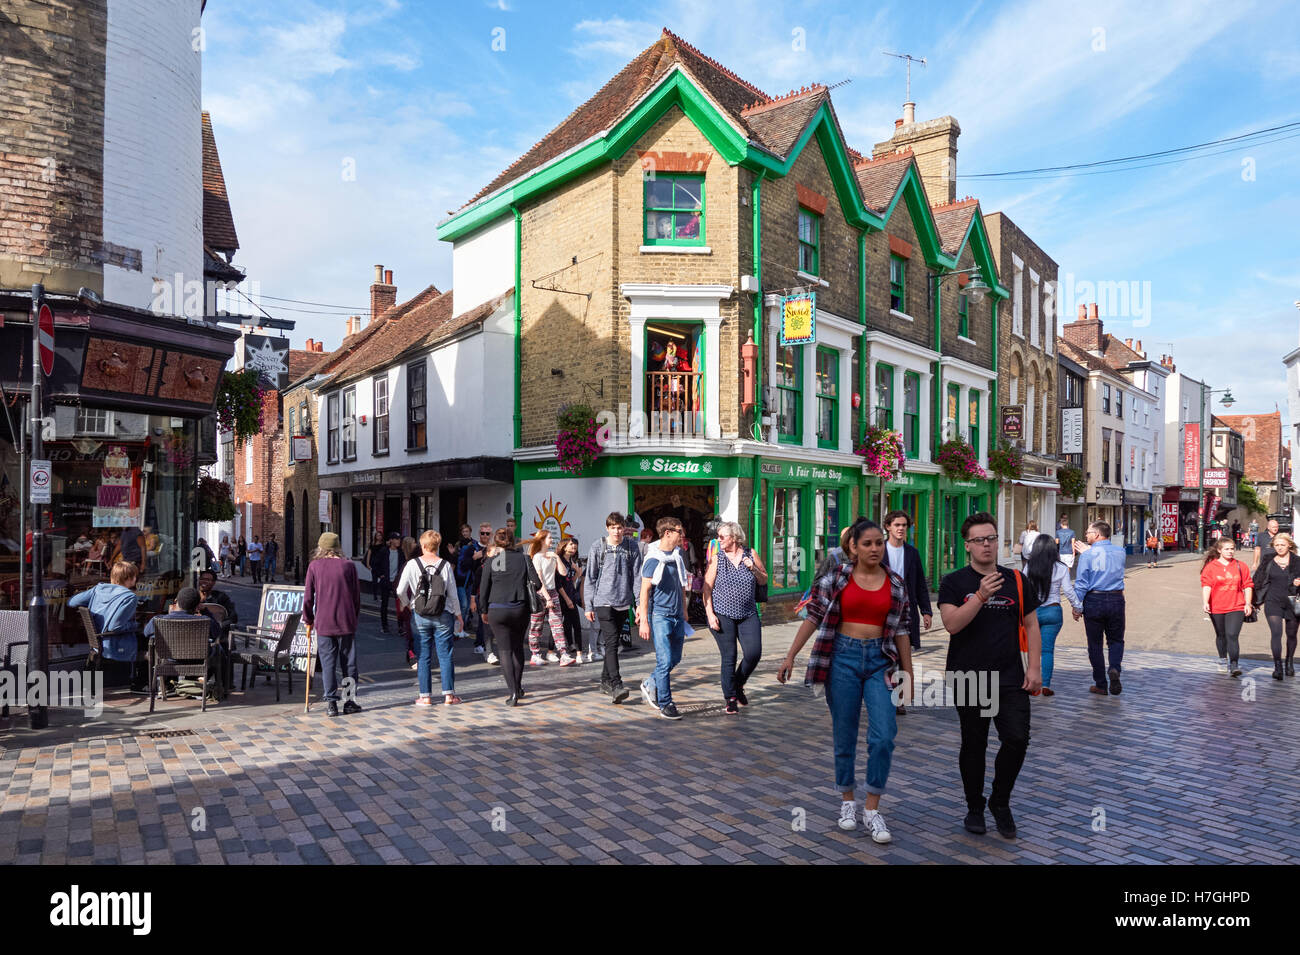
pixel 879 179
pixel 622 91
pixel 953 221
pixel 1263 444
pixel 1087 359
pixel 218 223
pixel 301 359
pixel 777 123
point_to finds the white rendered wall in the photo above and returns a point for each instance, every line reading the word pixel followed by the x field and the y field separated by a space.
pixel 153 150
pixel 581 503
pixel 483 264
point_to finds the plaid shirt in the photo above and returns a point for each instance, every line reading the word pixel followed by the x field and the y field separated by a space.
pixel 824 607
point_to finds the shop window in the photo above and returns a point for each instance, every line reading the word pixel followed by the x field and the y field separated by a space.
pixel 416 433
pixel 674 387
pixel 884 396
pixel 828 377
pixel 911 414
pixel 332 428
pixel 826 523
pixel 898 283
pixel 953 410
pixel 963 316
pixel 810 232
pixel 973 414
pixel 94 421
pixel 350 424
pixel 789 385
pixel 787 553
pixel 1105 456
pixel 674 210
pixel 363 524
pixel 381 415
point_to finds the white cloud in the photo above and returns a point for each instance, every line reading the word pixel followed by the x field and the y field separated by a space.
pixel 310 48
pixel 613 37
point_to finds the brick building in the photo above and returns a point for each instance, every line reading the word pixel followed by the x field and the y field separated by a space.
pixel 653 238
pixel 1267 460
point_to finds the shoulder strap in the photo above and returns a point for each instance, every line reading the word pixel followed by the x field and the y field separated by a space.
pixel 1020 594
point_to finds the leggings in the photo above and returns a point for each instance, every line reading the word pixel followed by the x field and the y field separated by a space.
pixel 573 627
pixel 1275 626
pixel 750 634
pixel 1227 627
pixel 509 624
pixel 556 620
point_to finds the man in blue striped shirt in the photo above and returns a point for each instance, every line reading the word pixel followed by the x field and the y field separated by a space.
pixel 1099 589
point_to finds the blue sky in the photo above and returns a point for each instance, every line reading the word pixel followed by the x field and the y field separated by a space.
pixel 413 100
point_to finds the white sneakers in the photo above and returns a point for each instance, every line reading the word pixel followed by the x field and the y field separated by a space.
pixel 492 658
pixel 552 657
pixel 872 820
pixel 649 693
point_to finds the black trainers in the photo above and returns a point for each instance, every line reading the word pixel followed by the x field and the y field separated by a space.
pixel 974 822
pixel 619 693
pixel 741 698
pixel 733 706
pixel 351 706
pixel 1115 686
pixel 669 711
pixel 332 709
pixel 1003 820
pixel 606 688
pixel 1277 669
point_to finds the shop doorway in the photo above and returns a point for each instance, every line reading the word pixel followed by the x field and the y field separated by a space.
pixel 692 504
pixel 393 516
pixel 452 509
pixel 950 542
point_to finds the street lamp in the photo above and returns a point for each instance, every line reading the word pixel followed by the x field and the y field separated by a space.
pixel 975 286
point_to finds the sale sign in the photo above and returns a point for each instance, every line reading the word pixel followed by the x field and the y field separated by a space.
pixel 1168 524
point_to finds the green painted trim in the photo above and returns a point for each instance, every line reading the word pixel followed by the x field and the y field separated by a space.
pixel 646 239
pixel 786 472
pixel 982 253
pixel 912 193
pixel 519 324
pixel 630 465
pixel 833 443
pixel 892 397
pixel 993 415
pixel 755 508
pixel 816 244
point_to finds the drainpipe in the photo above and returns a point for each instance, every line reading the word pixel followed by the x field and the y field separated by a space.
pixel 862 363
pixel 993 404
pixel 519 333
pixel 756 509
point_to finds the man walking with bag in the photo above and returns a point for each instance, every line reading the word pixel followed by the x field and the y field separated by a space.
pixel 1099 590
pixel 613 572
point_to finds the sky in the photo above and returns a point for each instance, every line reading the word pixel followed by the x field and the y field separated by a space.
pixel 349 130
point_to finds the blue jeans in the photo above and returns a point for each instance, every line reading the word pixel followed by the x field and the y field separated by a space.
pixel 669 635
pixel 858 676
pixel 434 633
pixel 270 567
pixel 1049 625
pixel 462 594
pixel 1103 614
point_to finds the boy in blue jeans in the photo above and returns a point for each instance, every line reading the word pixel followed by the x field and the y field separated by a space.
pixel 661 612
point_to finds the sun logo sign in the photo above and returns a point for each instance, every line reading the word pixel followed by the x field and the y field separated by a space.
pixel 549 516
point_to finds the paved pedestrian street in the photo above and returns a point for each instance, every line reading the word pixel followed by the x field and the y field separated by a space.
pixel 1186 766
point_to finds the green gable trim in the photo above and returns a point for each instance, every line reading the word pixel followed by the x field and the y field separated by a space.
pixel 927 234
pixel 982 252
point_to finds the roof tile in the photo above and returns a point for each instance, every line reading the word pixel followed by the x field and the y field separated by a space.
pixel 218 223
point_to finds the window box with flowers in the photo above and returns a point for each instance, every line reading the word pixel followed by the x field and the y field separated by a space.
pixel 239 403
pixel 1006 462
pixel 883 450
pixel 958 461
pixel 576 443
pixel 1072 481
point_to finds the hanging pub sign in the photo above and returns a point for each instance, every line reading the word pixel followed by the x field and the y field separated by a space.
pixel 799 319
pixel 1013 422
pixel 302 448
pixel 269 357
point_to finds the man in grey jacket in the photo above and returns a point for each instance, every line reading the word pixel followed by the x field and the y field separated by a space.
pixel 613 575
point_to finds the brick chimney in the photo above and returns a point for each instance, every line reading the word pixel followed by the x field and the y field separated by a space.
pixel 1084 333
pixel 383 293
pixel 311 344
pixel 934 141
pixel 1168 362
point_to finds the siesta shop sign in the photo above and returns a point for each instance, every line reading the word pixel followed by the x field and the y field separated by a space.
pixel 669 466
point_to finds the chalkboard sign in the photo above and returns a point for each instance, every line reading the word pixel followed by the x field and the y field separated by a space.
pixel 278 602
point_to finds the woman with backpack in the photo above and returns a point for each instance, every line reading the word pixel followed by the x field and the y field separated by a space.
pixel 503 596
pixel 1226 592
pixel 546 564
pixel 428 587
pixel 1049 580
pixel 1276 581
pixel 730 589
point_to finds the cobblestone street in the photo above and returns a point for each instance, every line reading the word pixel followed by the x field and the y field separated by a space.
pixel 1186 766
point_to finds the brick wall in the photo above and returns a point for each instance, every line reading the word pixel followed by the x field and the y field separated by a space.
pixel 980 319
pixel 52 144
pixel 300 481
pixel 920 330
pixel 265 492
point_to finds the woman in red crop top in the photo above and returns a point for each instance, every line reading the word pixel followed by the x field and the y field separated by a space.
pixel 858 612
pixel 1226 592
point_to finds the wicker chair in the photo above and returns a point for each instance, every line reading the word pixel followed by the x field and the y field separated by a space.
pixel 179 648
pixel 95 639
pixel 255 651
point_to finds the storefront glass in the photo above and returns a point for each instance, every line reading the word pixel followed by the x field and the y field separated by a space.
pixel 826 523
pixel 787 556
pixel 123 489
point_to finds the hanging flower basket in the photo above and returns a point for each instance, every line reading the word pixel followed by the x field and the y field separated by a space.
pixel 239 403
pixel 883 450
pixel 213 500
pixel 957 459
pixel 1072 481
pixel 576 445
pixel 1006 462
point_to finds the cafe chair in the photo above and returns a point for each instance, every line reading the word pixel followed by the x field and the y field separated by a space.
pixel 257 651
pixel 13 644
pixel 179 648
pixel 95 638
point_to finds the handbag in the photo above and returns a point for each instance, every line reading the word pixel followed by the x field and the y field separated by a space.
pixel 536 603
pixel 1023 634
pixel 760 590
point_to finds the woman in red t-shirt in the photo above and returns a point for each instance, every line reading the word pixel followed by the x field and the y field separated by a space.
pixel 1226 591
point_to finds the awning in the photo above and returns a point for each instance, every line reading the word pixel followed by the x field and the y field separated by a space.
pixel 1046 485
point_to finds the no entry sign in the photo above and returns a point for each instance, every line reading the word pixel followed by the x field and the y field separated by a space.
pixel 45 335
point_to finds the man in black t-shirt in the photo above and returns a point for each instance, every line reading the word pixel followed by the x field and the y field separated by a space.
pixel 981 610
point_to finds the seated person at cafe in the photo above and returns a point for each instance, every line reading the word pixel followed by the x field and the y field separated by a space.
pixel 112 606
pixel 209 594
pixel 186 607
